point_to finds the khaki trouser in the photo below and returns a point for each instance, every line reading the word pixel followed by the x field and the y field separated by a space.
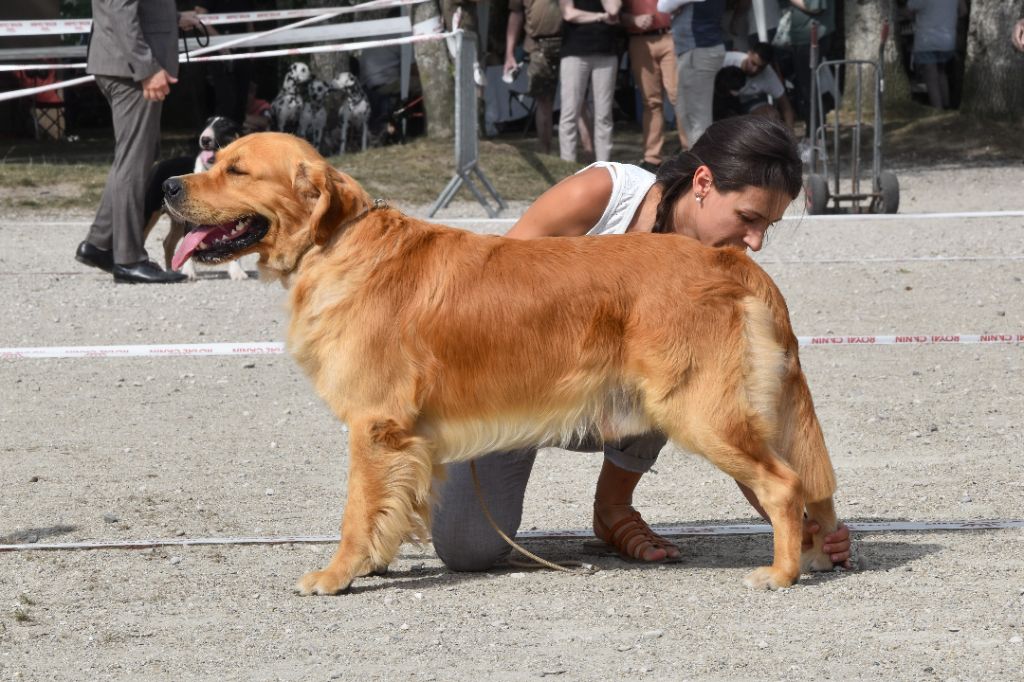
pixel 652 57
pixel 576 73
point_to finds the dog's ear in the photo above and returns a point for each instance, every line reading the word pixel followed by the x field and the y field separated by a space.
pixel 334 196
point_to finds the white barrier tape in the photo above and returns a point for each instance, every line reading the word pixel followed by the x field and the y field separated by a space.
pixel 41 27
pixel 138 351
pixel 337 47
pixel 277 348
pixel 27 92
pixel 958 215
pixel 319 17
pixel 965 215
pixel 670 531
pixel 196 56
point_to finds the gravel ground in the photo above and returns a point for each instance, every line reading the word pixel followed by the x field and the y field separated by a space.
pixel 227 446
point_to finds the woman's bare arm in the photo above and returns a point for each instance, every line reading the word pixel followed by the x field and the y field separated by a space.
pixel 569 209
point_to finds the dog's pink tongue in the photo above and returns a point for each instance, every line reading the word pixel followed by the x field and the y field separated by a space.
pixel 189 244
pixel 206 156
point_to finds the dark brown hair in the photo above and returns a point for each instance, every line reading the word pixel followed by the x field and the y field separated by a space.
pixel 742 151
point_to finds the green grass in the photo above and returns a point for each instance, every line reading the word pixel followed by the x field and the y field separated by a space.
pixel 406 174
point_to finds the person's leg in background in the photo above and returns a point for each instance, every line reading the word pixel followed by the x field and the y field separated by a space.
pixel 574 75
pixel 118 223
pixel 604 69
pixel 705 65
pixel 684 65
pixel 665 58
pixel 933 71
pixel 463 538
pixel 542 71
pixel 647 74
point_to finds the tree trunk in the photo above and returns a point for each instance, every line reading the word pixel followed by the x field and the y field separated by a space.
pixel 863 32
pixel 994 72
pixel 436 77
pixel 327 65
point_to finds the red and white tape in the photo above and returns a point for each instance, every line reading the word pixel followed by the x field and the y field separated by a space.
pixel 672 531
pixel 196 55
pixel 46 27
pixel 277 348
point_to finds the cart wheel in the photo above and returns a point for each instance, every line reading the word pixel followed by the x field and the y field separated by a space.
pixel 816 191
pixel 890 187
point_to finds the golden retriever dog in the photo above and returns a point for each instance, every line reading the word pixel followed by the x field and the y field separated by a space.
pixel 435 345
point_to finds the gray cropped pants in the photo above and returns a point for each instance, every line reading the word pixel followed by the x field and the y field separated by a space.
pixel 462 536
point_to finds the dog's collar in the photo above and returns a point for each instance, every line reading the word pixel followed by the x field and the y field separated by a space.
pixel 377 203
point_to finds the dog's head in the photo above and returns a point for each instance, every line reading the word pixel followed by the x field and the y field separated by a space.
pixel 318 89
pixel 268 193
pixel 218 132
pixel 298 73
pixel 346 84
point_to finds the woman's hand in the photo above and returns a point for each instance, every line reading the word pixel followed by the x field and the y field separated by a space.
pixel 837 543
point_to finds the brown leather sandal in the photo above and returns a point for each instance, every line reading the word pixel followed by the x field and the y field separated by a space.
pixel 632 537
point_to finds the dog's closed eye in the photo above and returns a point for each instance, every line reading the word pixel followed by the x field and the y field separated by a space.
pixel 235 170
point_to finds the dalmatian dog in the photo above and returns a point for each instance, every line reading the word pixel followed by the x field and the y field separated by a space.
pixel 286 109
pixel 313 119
pixel 354 109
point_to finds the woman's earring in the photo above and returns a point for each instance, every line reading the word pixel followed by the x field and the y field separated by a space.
pixel 700 199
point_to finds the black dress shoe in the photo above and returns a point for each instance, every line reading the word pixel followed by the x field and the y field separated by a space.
pixel 94 256
pixel 145 272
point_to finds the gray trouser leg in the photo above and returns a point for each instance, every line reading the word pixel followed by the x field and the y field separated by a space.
pixel 637 454
pixel 462 536
pixel 119 220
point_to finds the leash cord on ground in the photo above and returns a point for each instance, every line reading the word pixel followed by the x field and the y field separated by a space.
pixel 565 566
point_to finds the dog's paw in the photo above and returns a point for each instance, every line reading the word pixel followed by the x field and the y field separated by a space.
pixel 189 270
pixel 322 582
pixel 768 578
pixel 235 271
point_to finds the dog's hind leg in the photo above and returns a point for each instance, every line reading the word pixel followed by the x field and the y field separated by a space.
pixel 802 444
pixel 739 448
pixel 725 408
pixel 390 474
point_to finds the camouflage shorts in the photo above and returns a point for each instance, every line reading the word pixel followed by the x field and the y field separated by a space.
pixel 542 70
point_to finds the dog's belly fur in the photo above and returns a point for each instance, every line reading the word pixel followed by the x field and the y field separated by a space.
pixel 605 417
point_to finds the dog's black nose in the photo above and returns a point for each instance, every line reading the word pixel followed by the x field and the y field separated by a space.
pixel 172 188
pixel 206 142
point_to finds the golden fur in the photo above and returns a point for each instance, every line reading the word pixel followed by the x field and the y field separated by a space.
pixel 436 345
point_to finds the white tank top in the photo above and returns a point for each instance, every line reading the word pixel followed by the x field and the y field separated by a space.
pixel 630 185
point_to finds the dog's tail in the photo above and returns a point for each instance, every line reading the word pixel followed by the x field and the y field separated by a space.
pixel 777 389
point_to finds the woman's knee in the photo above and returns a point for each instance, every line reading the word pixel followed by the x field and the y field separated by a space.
pixel 458 554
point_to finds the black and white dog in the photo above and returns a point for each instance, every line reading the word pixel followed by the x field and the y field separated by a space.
pixel 218 132
pixel 354 109
pixel 313 119
pixel 286 109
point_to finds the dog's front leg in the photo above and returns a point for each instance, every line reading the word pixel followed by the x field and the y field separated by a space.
pixel 390 473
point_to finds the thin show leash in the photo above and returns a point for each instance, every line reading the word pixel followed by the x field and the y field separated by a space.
pixel 572 567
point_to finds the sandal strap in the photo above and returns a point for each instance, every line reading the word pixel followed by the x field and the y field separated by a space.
pixel 632 534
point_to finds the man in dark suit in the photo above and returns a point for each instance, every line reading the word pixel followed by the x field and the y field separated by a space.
pixel 133 52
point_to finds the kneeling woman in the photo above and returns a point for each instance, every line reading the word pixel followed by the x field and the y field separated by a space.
pixel 734 183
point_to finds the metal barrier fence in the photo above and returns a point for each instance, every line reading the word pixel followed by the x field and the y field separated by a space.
pixel 467 148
